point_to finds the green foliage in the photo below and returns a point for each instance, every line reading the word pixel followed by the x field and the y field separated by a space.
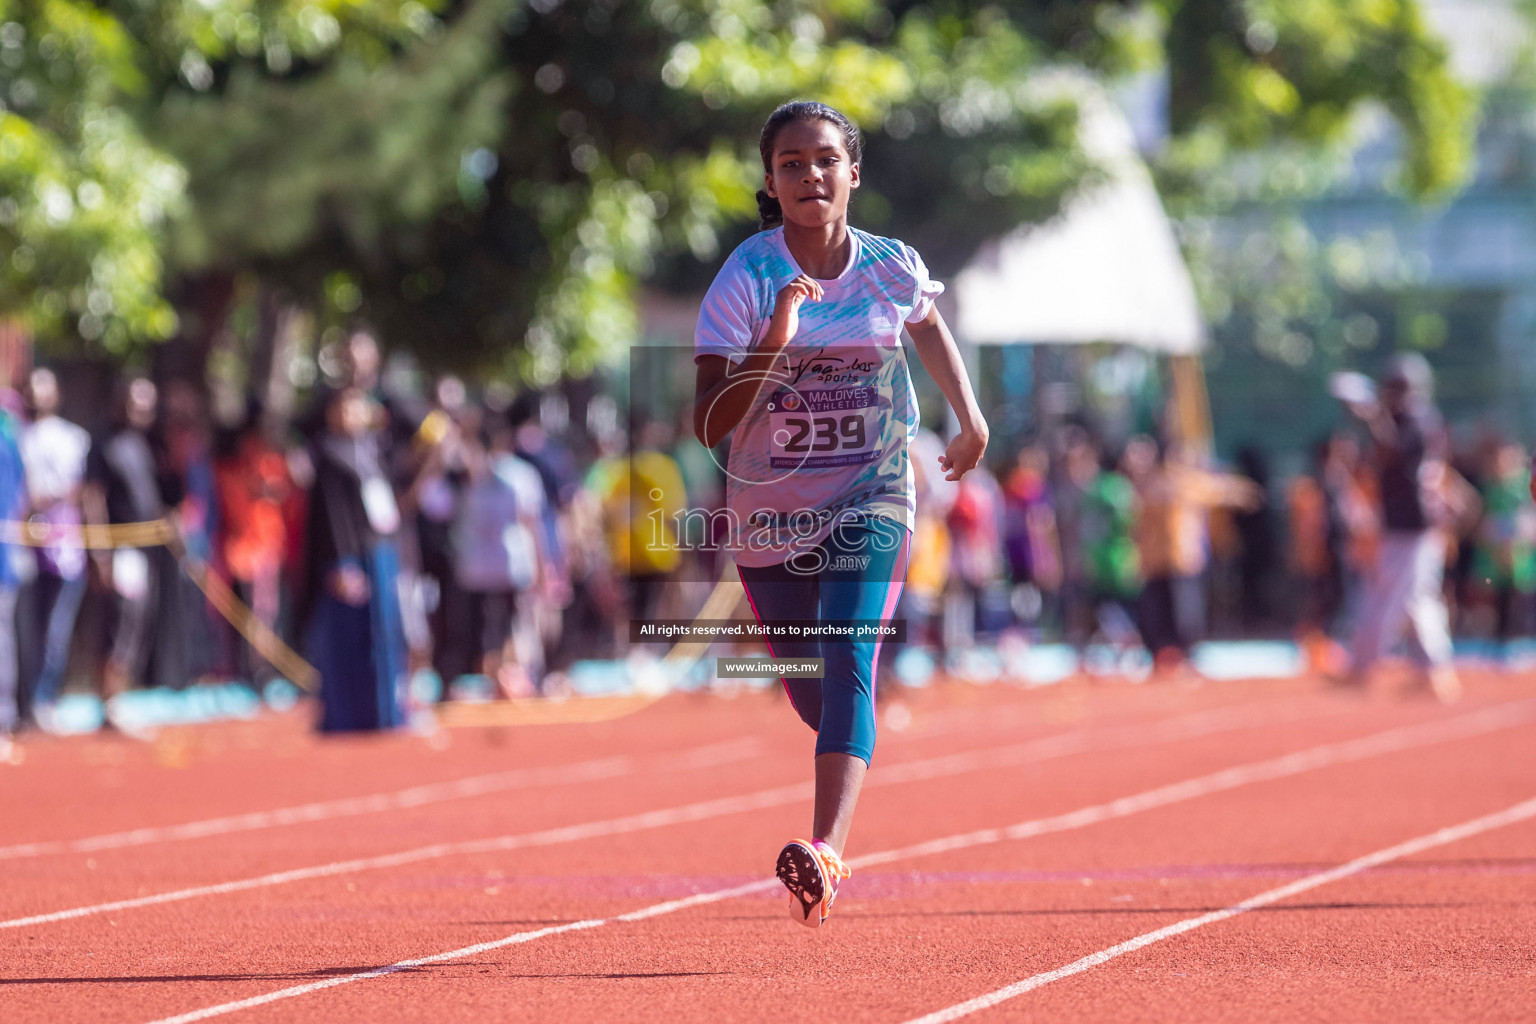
pixel 1251 72
pixel 489 180
pixel 85 195
pixel 498 190
pixel 1266 99
pixel 352 149
pixel 82 195
pixel 197 41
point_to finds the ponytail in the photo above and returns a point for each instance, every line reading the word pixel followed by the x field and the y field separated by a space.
pixel 769 213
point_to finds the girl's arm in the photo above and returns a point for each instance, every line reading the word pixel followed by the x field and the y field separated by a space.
pixel 722 395
pixel 941 358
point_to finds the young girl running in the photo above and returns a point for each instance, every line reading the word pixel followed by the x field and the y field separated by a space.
pixel 800 362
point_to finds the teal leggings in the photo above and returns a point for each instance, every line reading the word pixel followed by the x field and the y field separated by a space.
pixel 859 573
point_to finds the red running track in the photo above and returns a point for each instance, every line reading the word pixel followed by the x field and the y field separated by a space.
pixel 252 872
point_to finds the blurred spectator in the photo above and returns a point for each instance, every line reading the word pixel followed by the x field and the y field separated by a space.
pixel 928 570
pixel 254 486
pixel 13 503
pixel 1505 556
pixel 640 494
pixel 563 562
pixel 1468 597
pixel 1106 524
pixel 124 485
pixel 182 649
pixel 975 554
pixel 443 460
pixel 356 637
pixel 1354 503
pixel 54 452
pixel 588 600
pixel 1316 557
pixel 1256 531
pixel 1405 589
pixel 704 482
pixel 1030 541
pixel 356 363
pixel 1174 497
pixel 496 540
pixel 1074 471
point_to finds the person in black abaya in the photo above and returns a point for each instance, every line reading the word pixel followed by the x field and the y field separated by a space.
pixel 356 636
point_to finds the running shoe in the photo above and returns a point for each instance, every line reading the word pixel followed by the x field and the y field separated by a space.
pixel 811 872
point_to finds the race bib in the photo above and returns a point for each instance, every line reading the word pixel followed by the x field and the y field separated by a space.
pixel 831 427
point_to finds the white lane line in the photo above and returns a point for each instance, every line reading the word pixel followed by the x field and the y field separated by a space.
pixel 1487 823
pixel 414 796
pixel 1392 741
pixel 1185 727
pixel 1197 724
pixel 1395 740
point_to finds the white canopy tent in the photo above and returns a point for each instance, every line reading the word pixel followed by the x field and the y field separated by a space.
pixel 1107 269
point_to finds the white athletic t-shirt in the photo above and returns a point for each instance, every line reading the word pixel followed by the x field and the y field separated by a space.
pixel 829 431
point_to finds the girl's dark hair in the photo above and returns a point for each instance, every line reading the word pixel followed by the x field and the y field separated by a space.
pixel 770 214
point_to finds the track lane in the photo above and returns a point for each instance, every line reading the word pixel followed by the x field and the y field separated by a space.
pixel 592 770
pixel 99 778
pixel 701 855
pixel 119 886
pixel 1518 813
pixel 372 916
pixel 952 936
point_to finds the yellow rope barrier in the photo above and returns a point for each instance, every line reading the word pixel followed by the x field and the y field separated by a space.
pixel 722 602
pixel 163 533
pixel 36 534
pixel 239 615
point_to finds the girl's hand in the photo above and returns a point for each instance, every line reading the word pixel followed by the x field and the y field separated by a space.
pixel 786 309
pixel 963 453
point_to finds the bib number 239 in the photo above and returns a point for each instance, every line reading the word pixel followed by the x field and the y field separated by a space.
pixel 823 428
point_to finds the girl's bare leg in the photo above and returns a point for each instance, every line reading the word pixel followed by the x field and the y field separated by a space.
pixel 839 777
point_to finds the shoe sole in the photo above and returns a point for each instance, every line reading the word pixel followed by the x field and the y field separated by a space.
pixel 800 872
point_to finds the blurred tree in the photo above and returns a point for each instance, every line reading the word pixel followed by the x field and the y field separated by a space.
pixel 1312 259
pixel 82 194
pixel 488 180
pixel 1266 104
pixel 1251 72
pixel 85 195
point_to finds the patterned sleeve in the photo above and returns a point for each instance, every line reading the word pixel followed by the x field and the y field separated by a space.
pixel 925 289
pixel 727 318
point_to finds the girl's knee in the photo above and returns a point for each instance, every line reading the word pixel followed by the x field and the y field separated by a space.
pixel 864 751
pixel 806 700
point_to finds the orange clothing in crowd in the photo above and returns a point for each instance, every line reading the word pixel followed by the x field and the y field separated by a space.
pixel 1364 523
pixel 1176 501
pixel 1308 507
pixel 253 487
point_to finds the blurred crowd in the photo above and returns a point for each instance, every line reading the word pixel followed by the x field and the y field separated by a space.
pixel 482 542
pixel 380 537
pixel 1390 532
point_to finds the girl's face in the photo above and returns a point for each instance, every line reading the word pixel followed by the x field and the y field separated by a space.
pixel 811 174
